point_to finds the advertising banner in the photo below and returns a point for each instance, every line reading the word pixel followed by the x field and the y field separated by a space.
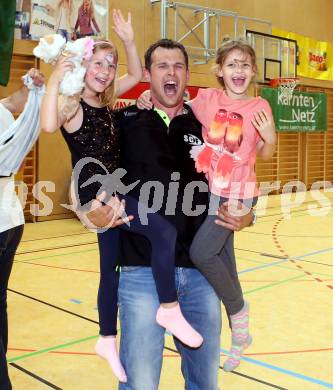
pixel 303 111
pixel 314 58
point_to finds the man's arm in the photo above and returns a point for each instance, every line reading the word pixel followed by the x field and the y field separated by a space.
pixel 104 215
pixel 16 101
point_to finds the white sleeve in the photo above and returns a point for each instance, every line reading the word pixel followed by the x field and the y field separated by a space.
pixel 6 118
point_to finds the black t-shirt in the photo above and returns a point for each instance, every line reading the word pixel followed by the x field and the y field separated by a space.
pixel 151 151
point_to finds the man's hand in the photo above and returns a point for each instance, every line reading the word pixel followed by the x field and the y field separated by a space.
pixel 109 215
pixel 234 216
pixel 144 102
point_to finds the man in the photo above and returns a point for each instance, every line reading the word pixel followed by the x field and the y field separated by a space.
pixel 11 220
pixel 155 146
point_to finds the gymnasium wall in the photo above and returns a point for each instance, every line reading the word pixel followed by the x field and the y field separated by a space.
pixel 307 17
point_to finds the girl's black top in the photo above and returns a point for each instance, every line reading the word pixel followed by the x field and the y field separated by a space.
pixel 94 148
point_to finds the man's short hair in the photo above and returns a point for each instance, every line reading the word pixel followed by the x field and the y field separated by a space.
pixel 165 44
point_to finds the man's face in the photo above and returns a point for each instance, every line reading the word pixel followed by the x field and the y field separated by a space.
pixel 168 77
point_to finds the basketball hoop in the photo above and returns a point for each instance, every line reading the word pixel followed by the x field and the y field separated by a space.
pixel 285 85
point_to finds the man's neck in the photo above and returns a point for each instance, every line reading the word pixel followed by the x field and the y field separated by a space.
pixel 170 111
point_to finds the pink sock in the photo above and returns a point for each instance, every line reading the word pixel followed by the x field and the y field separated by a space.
pixel 106 348
pixel 173 320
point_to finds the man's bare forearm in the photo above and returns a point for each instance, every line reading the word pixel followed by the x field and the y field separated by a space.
pixel 16 101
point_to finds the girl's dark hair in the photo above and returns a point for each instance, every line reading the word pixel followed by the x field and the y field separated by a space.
pixel 165 44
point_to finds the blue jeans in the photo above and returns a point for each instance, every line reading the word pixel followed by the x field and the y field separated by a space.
pixel 142 339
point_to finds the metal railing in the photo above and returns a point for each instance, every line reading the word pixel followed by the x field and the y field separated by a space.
pixel 204 26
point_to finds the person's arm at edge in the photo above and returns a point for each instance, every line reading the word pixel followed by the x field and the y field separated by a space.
pixel 16 101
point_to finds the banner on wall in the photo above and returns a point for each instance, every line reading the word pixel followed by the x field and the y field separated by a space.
pixel 303 111
pixel 42 23
pixel 70 18
pixel 314 58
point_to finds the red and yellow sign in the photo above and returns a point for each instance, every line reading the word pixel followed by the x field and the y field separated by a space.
pixel 315 58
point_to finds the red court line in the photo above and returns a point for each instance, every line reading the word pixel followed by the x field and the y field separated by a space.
pixel 54 266
pixel 281 250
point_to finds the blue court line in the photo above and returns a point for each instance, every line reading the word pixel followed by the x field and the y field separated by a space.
pixel 284 371
pixel 283 261
pixel 75 301
pixel 314 253
pixel 262 266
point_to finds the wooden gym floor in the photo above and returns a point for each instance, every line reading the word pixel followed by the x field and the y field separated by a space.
pixel 285 265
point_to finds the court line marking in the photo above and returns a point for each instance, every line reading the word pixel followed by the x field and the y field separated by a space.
pixel 285 260
pixel 314 253
pixel 285 371
pixel 283 266
pixel 57 255
pixel 57 267
pixel 295 259
pixel 245 358
pixel 272 284
pixel 53 349
pixel 246 376
pixel 262 266
pixel 256 380
pixel 55 237
pixel 300 351
pixel 51 305
pixel 29 262
pixel 250 360
pixel 40 379
pixel 45 350
pixel 56 247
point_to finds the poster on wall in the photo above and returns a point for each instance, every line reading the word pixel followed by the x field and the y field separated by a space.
pixel 71 18
pixel 303 111
pixel 315 58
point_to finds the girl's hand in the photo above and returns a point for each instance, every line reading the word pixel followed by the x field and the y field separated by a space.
pixel 63 65
pixel 144 101
pixel 264 124
pixel 123 29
